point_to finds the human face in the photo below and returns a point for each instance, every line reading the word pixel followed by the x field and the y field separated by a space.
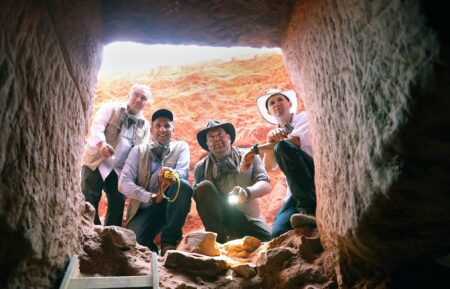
pixel 218 142
pixel 137 99
pixel 279 106
pixel 162 130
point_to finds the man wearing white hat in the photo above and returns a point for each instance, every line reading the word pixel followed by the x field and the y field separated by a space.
pixel 288 147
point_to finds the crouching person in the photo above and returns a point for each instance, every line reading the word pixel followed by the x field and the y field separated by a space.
pixel 155 179
pixel 217 177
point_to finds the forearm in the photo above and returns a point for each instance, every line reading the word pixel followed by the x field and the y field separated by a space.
pixel 267 149
pixel 259 189
pixel 131 190
pixel 269 146
pixel 269 161
pixel 99 124
pixel 128 177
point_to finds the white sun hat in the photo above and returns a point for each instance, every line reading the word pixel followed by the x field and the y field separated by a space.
pixel 262 100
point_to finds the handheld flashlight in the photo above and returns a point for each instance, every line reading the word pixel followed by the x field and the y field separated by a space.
pixel 233 199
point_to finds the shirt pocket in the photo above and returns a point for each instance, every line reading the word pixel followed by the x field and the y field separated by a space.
pixel 171 163
pixel 140 133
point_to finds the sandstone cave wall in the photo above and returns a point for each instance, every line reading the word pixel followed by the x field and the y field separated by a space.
pixel 373 74
pixel 374 78
pixel 215 23
pixel 50 52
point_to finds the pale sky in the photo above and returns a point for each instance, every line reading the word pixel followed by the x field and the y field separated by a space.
pixel 120 57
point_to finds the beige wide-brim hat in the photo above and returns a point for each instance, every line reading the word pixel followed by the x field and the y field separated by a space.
pixel 262 101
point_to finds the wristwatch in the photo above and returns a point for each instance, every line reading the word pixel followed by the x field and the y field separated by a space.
pixel 255 148
pixel 248 193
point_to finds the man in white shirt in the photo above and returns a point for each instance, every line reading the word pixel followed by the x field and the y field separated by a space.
pixel 115 130
pixel 155 179
pixel 288 147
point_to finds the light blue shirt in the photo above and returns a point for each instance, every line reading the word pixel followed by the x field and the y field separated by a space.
pixel 128 178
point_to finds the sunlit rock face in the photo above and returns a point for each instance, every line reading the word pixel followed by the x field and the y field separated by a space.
pixel 372 79
pixel 49 56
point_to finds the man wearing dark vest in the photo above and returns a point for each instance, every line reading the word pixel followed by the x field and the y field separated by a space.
pixel 155 179
pixel 219 181
pixel 115 130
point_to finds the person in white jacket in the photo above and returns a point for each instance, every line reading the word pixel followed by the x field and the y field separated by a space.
pixel 288 147
pixel 115 130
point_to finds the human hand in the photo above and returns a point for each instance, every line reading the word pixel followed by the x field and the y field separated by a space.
pixel 162 178
pixel 247 160
pixel 164 185
pixel 276 135
pixel 238 195
pixel 157 198
pixel 105 149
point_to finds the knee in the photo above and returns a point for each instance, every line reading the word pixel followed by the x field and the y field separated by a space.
pixel 203 190
pixel 281 148
pixel 184 186
pixel 185 189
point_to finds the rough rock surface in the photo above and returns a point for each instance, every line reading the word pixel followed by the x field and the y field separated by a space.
pixel 49 58
pixel 276 264
pixel 195 264
pixel 200 242
pixel 110 251
pixel 197 22
pixel 241 248
pixel 372 79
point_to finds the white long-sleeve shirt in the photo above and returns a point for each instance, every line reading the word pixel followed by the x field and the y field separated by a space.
pixel 124 145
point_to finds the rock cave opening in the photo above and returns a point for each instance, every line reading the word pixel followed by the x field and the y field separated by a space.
pixel 374 75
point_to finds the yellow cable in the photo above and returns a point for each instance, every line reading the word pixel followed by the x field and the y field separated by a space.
pixel 169 175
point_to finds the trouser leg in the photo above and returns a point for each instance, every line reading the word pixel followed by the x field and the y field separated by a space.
pixel 282 223
pixel 298 167
pixel 116 201
pixel 92 186
pixel 240 226
pixel 147 223
pixel 176 212
pixel 210 205
pixel 225 219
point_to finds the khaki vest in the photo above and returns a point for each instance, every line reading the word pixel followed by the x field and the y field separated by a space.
pixel 145 158
pixel 92 158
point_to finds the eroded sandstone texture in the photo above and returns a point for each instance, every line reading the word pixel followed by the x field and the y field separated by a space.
pixel 49 57
pixel 374 76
